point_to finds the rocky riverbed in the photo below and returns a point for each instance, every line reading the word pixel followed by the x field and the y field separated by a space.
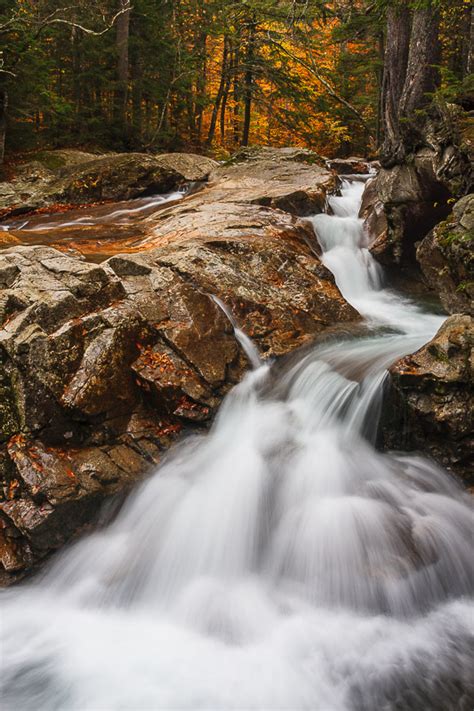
pixel 111 346
pixel 104 364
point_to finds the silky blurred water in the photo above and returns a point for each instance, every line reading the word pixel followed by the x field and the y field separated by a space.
pixel 280 562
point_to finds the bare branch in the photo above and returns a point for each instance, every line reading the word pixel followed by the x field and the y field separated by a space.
pixel 86 30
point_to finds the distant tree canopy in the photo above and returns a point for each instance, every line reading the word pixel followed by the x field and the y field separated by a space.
pixel 216 74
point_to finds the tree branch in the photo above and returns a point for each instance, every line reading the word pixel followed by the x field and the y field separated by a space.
pixel 330 90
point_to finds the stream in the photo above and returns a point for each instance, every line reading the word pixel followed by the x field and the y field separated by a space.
pixel 279 562
pixel 96 231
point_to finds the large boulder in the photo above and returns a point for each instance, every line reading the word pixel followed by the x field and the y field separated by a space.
pixel 430 399
pixel 291 179
pixel 446 257
pixel 405 207
pixel 119 176
pixel 417 193
pixel 353 165
pixel 102 365
pixel 372 212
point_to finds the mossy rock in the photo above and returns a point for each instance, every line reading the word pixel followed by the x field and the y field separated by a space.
pixel 9 420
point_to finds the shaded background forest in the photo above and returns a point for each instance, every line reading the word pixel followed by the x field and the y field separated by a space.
pixel 205 75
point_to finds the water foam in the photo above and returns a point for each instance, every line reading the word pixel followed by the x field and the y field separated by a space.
pixel 280 562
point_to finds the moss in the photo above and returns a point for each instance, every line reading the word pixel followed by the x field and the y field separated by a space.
pixel 51 160
pixel 9 421
pixel 438 353
pixel 446 236
pixel 465 286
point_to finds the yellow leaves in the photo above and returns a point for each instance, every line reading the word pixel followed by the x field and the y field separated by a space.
pixel 12 488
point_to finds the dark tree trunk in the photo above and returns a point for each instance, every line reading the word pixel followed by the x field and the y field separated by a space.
pixel 468 53
pixel 379 74
pixel 410 76
pixel 3 122
pixel 76 68
pixel 236 94
pixel 200 52
pixel 422 75
pixel 121 90
pixel 248 83
pixel 220 92
pixel 225 94
pixel 395 66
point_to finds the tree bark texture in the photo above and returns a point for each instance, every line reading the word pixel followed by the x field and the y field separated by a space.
pixel 422 75
pixel 410 77
pixel 397 46
pixel 3 122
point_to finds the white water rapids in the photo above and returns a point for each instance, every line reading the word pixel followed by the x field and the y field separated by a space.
pixel 278 563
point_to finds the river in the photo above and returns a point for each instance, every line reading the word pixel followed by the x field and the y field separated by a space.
pixel 280 562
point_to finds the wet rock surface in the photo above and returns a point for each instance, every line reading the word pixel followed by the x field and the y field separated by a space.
pixel 354 165
pixel 446 257
pixel 75 177
pixel 430 402
pixel 103 365
pixel 293 180
pixel 372 211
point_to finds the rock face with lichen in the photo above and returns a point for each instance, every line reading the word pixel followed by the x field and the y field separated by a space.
pixel 446 257
pixel 103 364
pixel 430 403
pixel 408 199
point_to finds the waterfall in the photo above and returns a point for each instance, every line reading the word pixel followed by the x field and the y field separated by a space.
pixel 279 562
pixel 246 343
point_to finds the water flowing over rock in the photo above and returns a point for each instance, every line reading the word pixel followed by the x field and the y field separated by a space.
pixel 431 399
pixel 281 542
pixel 102 365
pixel 80 178
pixel 353 165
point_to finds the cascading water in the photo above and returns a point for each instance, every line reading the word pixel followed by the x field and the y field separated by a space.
pixel 280 562
pixel 245 342
pixel 121 213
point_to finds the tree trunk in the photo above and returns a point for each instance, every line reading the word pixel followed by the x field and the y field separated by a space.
pixel 248 83
pixel 422 75
pixel 3 122
pixel 225 94
pixel 379 75
pixel 201 55
pixel 395 66
pixel 468 58
pixel 122 68
pixel 236 94
pixel 220 92
pixel 410 76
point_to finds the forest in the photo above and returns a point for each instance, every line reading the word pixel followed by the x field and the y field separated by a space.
pixel 236 355
pixel 210 75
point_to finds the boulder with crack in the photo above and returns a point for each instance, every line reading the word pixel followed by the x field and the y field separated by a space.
pixel 103 365
pixel 430 401
pixel 446 257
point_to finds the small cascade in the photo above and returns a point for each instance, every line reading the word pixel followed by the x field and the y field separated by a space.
pixel 279 562
pixel 119 213
pixel 247 344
